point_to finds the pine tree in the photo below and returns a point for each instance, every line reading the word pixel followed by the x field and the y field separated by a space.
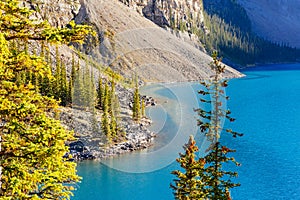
pixel 190 183
pixel 113 124
pixel 143 108
pixel 63 85
pixel 136 108
pixel 69 92
pixel 116 107
pixel 93 94
pixel 215 181
pixel 71 81
pixel 100 93
pixel 33 144
pixel 78 90
pixel 57 75
pixel 210 125
pixel 73 69
pixel 106 127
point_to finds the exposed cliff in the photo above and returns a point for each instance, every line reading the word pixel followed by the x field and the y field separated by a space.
pixel 57 12
pixel 180 14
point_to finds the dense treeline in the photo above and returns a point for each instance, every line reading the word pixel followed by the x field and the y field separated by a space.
pixel 32 142
pixel 78 90
pixel 232 13
pixel 230 33
pixel 109 103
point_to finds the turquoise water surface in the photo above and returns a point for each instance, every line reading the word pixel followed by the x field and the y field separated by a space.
pixel 266 104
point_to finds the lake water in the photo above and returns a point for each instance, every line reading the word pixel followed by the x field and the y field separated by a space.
pixel 266 104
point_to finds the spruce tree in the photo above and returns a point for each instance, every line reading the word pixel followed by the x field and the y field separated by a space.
pixel 63 85
pixel 113 124
pixel 93 94
pixel 106 126
pixel 143 108
pixel 136 108
pixel 57 75
pixel 216 181
pixel 100 93
pixel 71 80
pixel 69 92
pixel 210 125
pixel 78 90
pixel 189 184
pixel 73 69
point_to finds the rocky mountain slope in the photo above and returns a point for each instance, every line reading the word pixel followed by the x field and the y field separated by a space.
pixel 169 12
pixel 132 44
pixel 276 20
pixel 129 44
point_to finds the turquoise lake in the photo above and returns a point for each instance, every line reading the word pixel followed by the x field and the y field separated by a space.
pixel 266 105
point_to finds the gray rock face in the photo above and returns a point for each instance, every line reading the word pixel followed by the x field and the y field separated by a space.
pixel 57 12
pixel 166 12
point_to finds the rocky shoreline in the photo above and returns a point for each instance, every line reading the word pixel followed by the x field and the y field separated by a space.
pixel 91 143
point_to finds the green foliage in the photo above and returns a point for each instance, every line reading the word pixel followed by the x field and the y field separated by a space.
pixel 143 108
pixel 210 125
pixel 189 184
pixel 23 27
pixel 229 10
pixel 106 121
pixel 110 106
pixel 84 92
pixel 100 93
pixel 136 107
pixel 33 143
pixel 213 181
pixel 63 85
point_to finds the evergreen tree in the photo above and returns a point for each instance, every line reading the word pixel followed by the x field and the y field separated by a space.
pixel 69 92
pixel 136 108
pixel 93 94
pixel 219 181
pixel 215 181
pixel 33 144
pixel 190 183
pixel 70 82
pixel 63 85
pixel 106 97
pixel 143 108
pixel 106 127
pixel 113 124
pixel 78 90
pixel 100 93
pixel 57 75
pixel 73 69
pixel 116 108
pixel 112 109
